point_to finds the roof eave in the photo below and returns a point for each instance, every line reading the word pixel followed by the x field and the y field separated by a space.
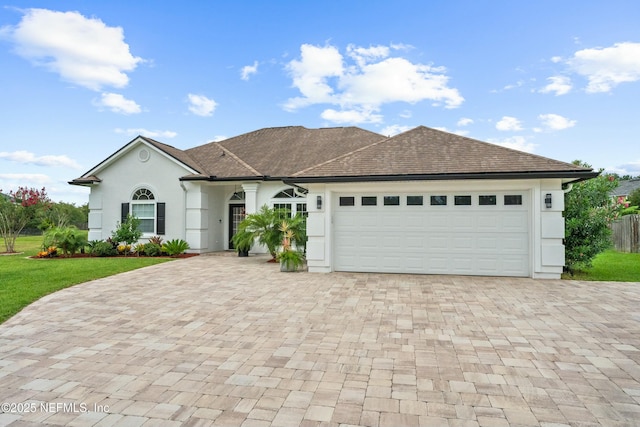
pixel 85 182
pixel 571 176
pixel 214 178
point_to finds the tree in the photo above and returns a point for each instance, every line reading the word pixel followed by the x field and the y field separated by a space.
pixel 588 213
pixel 17 210
pixel 634 197
pixel 128 232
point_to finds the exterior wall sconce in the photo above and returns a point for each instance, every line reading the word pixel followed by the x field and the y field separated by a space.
pixel 319 202
pixel 547 200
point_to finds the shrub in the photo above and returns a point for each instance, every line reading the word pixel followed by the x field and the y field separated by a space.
pixel 588 213
pixel 124 249
pixel 175 247
pixel 264 226
pixel 139 249
pixel 49 252
pixel 69 239
pixel 152 249
pixel 102 248
pixel 127 232
pixel 156 240
pixel 634 197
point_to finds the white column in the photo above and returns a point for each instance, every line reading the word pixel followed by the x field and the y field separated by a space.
pixel 251 197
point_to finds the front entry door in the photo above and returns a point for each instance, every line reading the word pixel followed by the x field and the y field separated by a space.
pixel 236 215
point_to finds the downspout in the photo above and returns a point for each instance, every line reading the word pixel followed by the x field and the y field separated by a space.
pixel 569 188
pixel 184 211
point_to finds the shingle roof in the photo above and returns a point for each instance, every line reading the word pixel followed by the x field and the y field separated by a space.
pixel 626 187
pixel 279 151
pixel 426 151
pixel 298 154
pixel 176 153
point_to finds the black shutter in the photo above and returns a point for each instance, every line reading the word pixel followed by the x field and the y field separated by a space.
pixel 124 211
pixel 160 216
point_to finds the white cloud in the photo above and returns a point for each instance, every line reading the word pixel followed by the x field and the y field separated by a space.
pixel 351 116
pixel 556 59
pixel 148 133
pixel 248 70
pixel 26 157
pixel 554 122
pixel 464 122
pixel 406 114
pixel 631 168
pixel 509 124
pixel 200 105
pixel 516 143
pixel 310 75
pixel 10 181
pixel 560 85
pixel 395 130
pixel 118 104
pixel 363 55
pixel 84 51
pixel 605 68
pixel 370 79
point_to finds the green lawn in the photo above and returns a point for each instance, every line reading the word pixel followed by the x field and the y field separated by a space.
pixel 24 280
pixel 612 266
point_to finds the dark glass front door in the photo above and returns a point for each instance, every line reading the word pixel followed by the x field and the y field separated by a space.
pixel 236 215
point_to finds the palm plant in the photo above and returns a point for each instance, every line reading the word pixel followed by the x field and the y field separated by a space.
pixel 263 227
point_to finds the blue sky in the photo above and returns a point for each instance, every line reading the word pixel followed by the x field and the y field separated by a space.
pixel 80 79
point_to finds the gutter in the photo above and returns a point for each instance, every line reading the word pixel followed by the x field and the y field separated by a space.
pixel 578 175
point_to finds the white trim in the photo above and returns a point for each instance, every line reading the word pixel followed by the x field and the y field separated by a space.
pixel 130 147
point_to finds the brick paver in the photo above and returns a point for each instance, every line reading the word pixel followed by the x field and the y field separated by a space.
pixel 221 340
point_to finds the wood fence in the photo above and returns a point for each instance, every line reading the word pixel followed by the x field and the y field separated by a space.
pixel 626 233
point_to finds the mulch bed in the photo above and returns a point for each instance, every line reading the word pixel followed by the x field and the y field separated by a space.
pixel 114 256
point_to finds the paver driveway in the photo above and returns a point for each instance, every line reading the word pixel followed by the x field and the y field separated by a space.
pixel 221 340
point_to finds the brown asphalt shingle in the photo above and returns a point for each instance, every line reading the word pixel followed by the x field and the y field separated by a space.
pixel 280 151
pixel 426 151
pixel 298 152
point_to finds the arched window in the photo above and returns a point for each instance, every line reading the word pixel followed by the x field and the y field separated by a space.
pixel 143 207
pixel 294 200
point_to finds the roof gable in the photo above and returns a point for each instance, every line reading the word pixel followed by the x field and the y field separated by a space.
pixel 172 153
pixel 425 151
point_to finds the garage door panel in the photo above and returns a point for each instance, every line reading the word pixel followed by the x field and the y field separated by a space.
pixel 391 241
pixel 487 265
pixel 366 242
pixel 487 222
pixel 414 264
pixel 480 240
pixel 514 264
pixel 413 221
pixel 462 243
pixel 392 221
pixel 414 243
pixel 487 243
pixel 436 221
pixel 514 221
pixel 438 243
pixel 463 221
pixel 515 243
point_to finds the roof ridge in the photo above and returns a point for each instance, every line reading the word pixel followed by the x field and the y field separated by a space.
pixel 342 156
pixel 236 158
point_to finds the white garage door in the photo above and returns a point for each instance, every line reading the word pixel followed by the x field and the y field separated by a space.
pixel 463 233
